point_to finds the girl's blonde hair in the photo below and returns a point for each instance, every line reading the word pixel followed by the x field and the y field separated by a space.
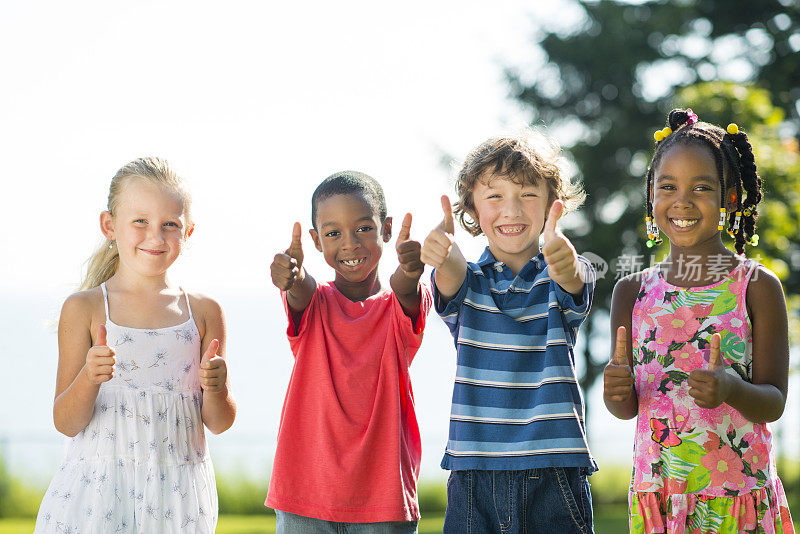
pixel 104 262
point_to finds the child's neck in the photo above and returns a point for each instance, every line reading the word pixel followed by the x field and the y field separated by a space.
pixel 131 281
pixel 698 265
pixel 358 291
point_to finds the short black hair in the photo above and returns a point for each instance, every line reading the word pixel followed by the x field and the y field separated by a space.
pixel 348 183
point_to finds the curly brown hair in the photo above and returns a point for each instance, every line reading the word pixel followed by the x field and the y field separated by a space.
pixel 517 159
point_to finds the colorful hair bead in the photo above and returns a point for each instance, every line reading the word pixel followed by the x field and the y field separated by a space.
pixel 733 129
pixel 692 116
pixel 721 223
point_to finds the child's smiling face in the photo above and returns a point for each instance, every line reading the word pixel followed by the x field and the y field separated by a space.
pixel 686 197
pixel 149 226
pixel 350 236
pixel 511 215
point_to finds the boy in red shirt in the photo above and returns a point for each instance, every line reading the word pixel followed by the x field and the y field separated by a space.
pixel 348 444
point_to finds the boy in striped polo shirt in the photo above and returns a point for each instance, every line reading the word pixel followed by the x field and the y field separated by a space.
pixel 517 449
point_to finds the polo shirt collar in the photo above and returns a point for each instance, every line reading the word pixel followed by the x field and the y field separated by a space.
pixel 487 258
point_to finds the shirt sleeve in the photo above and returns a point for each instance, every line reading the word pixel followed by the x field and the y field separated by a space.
pixel 411 331
pixel 576 310
pixel 449 312
pixel 294 331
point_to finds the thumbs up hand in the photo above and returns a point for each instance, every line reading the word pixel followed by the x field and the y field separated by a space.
pixel 439 243
pixel 559 253
pixel 617 376
pixel 409 251
pixel 711 387
pixel 213 369
pixel 100 359
pixel 287 267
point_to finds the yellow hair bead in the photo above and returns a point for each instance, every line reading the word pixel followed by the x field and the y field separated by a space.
pixel 666 131
pixel 733 129
pixel 658 136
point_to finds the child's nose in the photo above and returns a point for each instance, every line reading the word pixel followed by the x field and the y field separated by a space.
pixel 513 207
pixel 350 241
pixel 156 234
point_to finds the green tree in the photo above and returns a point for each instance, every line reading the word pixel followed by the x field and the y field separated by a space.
pixel 612 81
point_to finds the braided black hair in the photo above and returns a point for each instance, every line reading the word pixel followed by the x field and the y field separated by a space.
pixel 731 152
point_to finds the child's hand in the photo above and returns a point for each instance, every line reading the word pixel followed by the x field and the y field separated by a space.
pixel 100 359
pixel 712 387
pixel 559 253
pixel 617 376
pixel 408 251
pixel 439 243
pixel 213 369
pixel 286 268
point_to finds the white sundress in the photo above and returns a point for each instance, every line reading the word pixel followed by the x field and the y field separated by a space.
pixel 141 465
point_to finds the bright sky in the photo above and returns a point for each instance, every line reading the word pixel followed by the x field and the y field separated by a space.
pixel 255 102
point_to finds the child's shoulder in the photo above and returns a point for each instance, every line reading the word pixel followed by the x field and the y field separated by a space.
pixel 203 304
pixel 627 287
pixel 764 285
pixel 83 302
pixel 83 308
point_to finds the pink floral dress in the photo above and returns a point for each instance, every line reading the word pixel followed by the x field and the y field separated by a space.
pixel 697 470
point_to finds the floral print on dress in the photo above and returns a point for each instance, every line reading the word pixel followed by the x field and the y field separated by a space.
pixel 142 463
pixel 697 469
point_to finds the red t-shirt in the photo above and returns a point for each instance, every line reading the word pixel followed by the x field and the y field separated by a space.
pixel 348 444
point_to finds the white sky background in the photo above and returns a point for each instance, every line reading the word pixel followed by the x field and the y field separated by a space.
pixel 254 103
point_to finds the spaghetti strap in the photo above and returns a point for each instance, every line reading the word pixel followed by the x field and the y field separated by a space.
pixel 105 301
pixel 188 306
pixel 751 267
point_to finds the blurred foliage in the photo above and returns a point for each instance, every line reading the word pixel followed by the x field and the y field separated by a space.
pixel 611 81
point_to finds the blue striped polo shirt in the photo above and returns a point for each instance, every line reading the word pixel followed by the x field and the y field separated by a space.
pixel 516 400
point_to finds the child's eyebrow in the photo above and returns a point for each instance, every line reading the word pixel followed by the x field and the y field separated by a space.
pixel 713 180
pixel 364 218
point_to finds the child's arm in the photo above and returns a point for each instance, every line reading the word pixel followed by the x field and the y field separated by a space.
pixel 219 408
pixel 764 399
pixel 82 365
pixel 619 393
pixel 441 252
pixel 560 255
pixel 288 275
pixel 405 280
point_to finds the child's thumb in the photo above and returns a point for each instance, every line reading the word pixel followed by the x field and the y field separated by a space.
pixel 448 225
pixel 101 336
pixel 621 348
pixel 211 351
pixel 715 358
pixel 550 225
pixel 405 229
pixel 295 250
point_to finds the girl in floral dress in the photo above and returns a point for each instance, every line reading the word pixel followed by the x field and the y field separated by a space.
pixel 708 337
pixel 132 389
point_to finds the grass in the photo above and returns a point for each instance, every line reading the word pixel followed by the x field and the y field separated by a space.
pixel 265 524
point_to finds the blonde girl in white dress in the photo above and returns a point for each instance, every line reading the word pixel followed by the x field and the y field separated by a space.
pixel 141 371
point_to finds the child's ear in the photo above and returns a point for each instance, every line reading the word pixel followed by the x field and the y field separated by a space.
pixel 386 229
pixel 315 238
pixel 107 225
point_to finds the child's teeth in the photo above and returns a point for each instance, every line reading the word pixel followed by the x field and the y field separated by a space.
pixel 683 223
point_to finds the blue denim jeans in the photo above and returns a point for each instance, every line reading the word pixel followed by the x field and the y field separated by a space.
pixel 553 500
pixel 289 523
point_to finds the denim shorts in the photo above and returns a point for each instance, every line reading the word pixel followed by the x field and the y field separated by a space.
pixel 554 500
pixel 289 523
